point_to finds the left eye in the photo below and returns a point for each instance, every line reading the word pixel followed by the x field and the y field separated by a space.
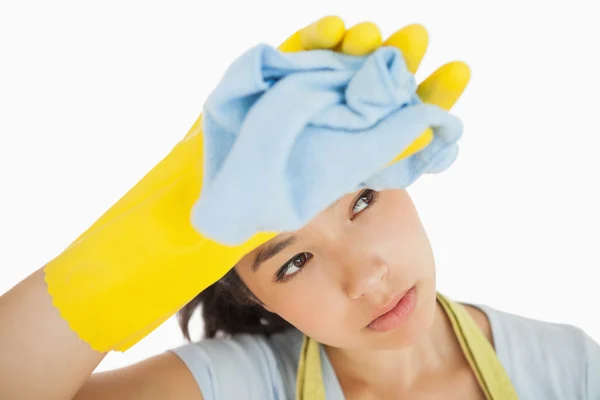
pixel 367 198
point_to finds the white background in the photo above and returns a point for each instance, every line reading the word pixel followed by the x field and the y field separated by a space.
pixel 92 95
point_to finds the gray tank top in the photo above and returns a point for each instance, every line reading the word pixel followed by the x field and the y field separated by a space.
pixel 545 361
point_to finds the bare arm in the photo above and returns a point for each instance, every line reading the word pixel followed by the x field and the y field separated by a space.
pixel 41 358
pixel 161 377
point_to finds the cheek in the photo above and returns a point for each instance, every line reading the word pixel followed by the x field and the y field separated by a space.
pixel 398 217
pixel 395 229
pixel 402 222
pixel 312 304
pixel 309 303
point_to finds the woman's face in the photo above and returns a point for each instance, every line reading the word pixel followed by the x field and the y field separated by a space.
pixel 343 269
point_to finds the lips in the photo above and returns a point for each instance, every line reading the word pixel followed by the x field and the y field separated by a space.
pixel 390 305
pixel 395 312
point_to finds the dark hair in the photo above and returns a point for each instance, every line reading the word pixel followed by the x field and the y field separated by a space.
pixel 229 307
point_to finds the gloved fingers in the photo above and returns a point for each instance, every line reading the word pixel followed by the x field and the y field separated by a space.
pixel 412 41
pixel 445 86
pixel 325 33
pixel 361 39
pixel 442 88
pixel 419 144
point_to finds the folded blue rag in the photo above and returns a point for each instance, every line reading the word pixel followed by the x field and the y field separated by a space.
pixel 287 134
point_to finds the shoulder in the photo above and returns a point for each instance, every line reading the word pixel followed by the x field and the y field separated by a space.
pixel 544 359
pixel 244 366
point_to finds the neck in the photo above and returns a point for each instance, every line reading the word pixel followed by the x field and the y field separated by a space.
pixel 434 353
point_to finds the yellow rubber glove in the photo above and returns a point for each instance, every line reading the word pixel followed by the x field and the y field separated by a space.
pixel 141 261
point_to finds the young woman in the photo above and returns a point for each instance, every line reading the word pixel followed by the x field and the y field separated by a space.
pixel 359 281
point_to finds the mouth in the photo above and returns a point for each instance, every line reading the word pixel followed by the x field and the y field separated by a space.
pixel 396 312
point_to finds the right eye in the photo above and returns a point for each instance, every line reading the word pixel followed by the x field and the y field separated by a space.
pixel 291 268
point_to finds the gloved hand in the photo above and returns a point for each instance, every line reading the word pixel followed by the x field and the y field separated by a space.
pixel 288 134
pixel 142 260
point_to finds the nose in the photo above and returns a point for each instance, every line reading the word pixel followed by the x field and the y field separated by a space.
pixel 364 274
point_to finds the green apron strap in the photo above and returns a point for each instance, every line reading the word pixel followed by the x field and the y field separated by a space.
pixel 309 380
pixel 480 354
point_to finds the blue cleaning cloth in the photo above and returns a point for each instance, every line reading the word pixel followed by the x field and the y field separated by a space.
pixel 287 134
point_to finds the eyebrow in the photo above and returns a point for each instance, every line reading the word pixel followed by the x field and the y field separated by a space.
pixel 270 250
